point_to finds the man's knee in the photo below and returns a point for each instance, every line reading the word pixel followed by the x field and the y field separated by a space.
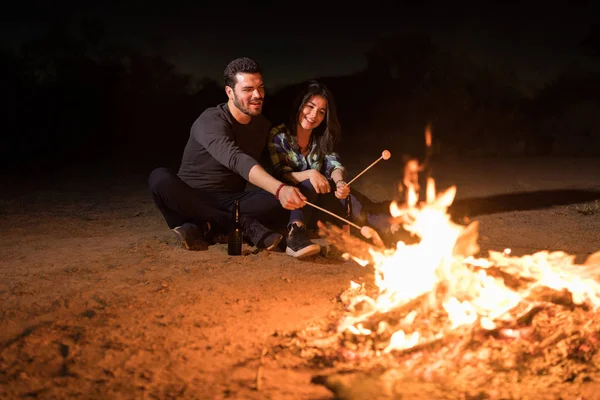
pixel 158 177
pixel 265 201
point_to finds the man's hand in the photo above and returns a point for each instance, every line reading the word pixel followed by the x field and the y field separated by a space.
pixel 319 182
pixel 291 198
pixel 342 190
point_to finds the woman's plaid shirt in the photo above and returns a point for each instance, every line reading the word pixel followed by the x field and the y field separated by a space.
pixel 286 155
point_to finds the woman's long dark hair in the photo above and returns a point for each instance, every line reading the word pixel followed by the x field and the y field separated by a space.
pixel 328 134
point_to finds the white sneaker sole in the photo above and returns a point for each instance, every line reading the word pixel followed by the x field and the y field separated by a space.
pixel 275 244
pixel 179 236
pixel 305 252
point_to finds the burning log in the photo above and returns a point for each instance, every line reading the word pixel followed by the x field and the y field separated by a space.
pixel 358 385
pixel 374 332
pixel 549 295
pixel 382 385
pixel 479 362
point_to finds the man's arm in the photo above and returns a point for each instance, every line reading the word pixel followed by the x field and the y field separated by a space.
pixel 213 132
pixel 260 177
pixel 289 196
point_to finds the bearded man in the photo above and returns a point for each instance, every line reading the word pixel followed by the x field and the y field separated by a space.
pixel 221 156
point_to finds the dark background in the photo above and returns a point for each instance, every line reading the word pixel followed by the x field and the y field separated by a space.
pixel 121 83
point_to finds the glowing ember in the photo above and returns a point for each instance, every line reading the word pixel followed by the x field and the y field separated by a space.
pixel 436 286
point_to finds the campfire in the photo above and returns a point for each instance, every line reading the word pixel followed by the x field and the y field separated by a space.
pixel 436 288
pixel 434 309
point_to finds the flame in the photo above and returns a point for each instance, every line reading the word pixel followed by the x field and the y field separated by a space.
pixel 444 281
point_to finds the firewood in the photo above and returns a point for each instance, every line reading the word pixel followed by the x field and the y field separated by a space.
pixel 526 317
pixel 418 303
pixel 554 338
pixel 375 384
pixel 548 295
pixel 355 385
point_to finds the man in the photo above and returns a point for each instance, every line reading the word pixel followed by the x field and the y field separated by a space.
pixel 219 159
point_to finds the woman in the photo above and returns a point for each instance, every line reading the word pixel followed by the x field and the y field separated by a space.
pixel 303 155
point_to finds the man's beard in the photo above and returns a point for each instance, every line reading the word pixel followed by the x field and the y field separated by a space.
pixel 246 110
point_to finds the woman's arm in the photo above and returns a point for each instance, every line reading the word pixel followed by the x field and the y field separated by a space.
pixel 296 177
pixel 338 175
pixel 333 167
pixel 318 181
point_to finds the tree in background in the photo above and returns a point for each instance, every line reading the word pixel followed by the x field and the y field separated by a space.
pixel 565 111
pixel 74 95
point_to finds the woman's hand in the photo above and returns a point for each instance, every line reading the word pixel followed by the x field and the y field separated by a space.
pixel 319 182
pixel 342 190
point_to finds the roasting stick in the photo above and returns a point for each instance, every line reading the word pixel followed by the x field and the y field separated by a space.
pixel 334 215
pixel 366 231
pixel 385 155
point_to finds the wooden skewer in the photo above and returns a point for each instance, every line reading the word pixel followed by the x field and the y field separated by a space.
pixel 385 155
pixel 259 372
pixel 334 215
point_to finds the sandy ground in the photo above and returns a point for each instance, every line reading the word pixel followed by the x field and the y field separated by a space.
pixel 98 300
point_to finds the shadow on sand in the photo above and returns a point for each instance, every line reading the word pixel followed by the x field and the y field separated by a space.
pixel 521 201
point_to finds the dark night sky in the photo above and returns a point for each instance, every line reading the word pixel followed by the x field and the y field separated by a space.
pixel 311 39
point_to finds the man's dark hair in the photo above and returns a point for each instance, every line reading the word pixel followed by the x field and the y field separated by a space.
pixel 242 65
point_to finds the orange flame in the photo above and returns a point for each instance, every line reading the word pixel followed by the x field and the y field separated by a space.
pixel 471 297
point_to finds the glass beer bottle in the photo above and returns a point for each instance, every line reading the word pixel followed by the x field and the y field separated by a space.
pixel 234 243
pixel 348 214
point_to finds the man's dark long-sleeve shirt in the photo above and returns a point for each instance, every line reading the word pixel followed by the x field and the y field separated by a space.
pixel 220 151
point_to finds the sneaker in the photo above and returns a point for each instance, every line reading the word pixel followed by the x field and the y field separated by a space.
pixel 272 240
pixel 260 236
pixel 298 243
pixel 191 235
